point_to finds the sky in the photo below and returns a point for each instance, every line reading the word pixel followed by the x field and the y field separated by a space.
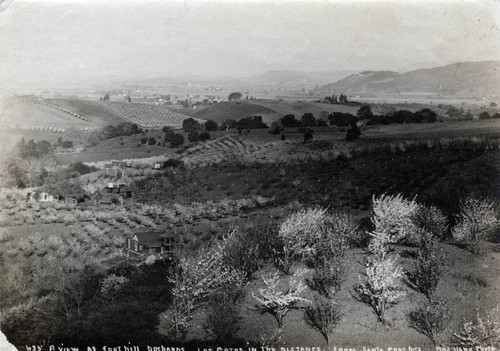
pixel 75 42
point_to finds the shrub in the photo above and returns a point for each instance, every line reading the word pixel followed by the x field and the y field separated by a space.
pixel 111 285
pixel 323 315
pixel 308 136
pixel 248 123
pixel 429 318
pixel 380 288
pixel 211 126
pixel 275 130
pixel 272 339
pixel 168 135
pixel 234 96
pixel 339 231
pixel 480 331
pixel 242 253
pixel 5 236
pixel 17 279
pixel 193 137
pixel 484 115
pixel 353 132
pixel 24 245
pixel 82 168
pixel 67 144
pixel 429 266
pixel 176 140
pixel 204 136
pixel 151 141
pixel 476 222
pixel 223 316
pixel 328 277
pixel 431 220
pixel 425 115
pixel 173 163
pixel 342 119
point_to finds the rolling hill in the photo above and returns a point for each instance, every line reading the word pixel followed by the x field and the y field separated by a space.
pixel 30 112
pixel 270 110
pixel 471 79
pixel 58 115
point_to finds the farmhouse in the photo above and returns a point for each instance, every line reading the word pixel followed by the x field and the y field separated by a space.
pixel 120 188
pixel 41 197
pixel 150 243
pixel 157 165
pixel 112 194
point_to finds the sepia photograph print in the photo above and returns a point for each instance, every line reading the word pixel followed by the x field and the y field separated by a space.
pixel 223 175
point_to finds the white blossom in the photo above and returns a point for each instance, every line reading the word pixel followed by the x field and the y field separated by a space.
pixel 277 302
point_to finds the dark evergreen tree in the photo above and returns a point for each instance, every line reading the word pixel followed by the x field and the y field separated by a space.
pixel 289 121
pixel 353 132
pixel 308 120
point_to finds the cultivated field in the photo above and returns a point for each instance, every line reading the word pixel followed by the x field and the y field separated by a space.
pixel 146 115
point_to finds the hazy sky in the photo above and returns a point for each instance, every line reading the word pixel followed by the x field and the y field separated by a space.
pixel 71 42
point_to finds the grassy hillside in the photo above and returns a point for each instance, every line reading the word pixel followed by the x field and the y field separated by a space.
pixel 25 115
pixel 464 79
pixel 94 112
pixel 270 110
pixel 232 110
pixel 30 112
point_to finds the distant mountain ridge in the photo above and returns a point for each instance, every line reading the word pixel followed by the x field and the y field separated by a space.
pixel 475 79
pixel 277 78
pixel 296 77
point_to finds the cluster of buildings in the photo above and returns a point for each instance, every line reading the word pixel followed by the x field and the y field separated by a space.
pixel 140 243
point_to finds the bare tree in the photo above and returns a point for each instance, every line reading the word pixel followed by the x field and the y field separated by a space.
pixel 323 315
pixel 429 318
pixel 32 168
